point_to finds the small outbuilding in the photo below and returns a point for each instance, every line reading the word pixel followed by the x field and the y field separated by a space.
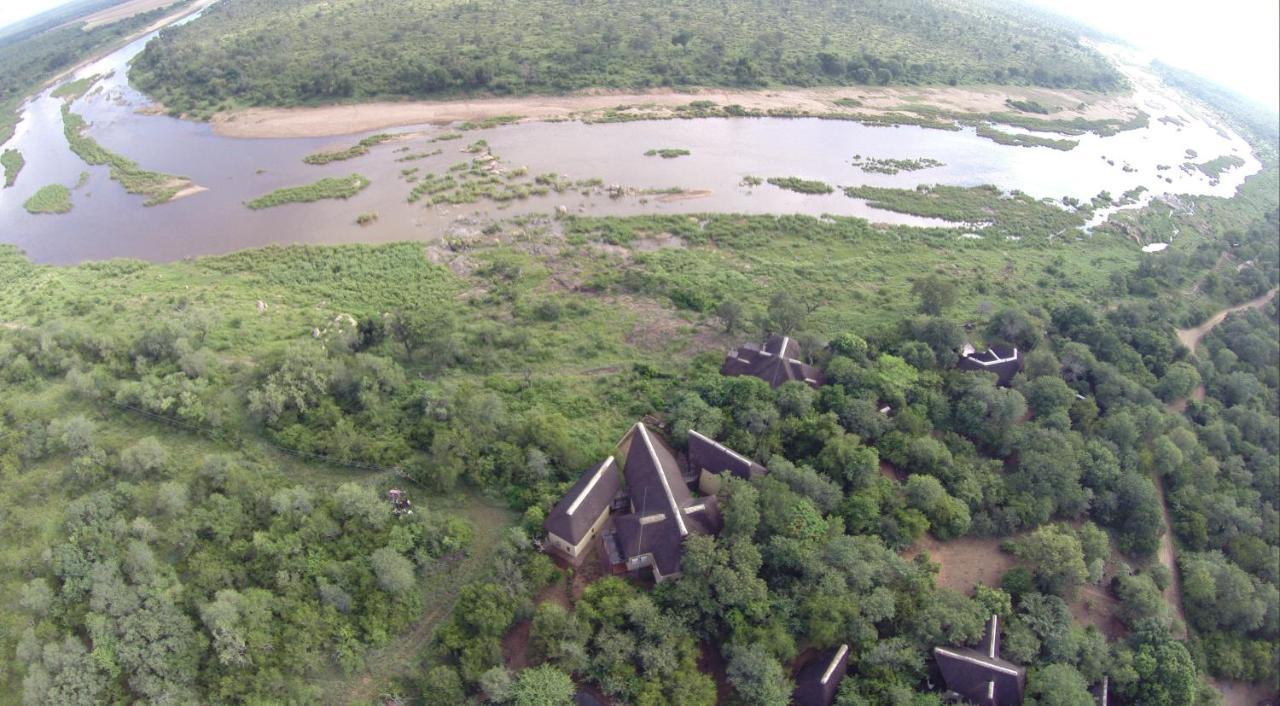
pixel 776 362
pixel 980 676
pixel 578 517
pixel 819 678
pixel 1003 361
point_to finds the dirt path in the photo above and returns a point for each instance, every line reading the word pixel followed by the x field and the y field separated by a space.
pixel 1168 555
pixel 1190 337
pixel 441 587
pixel 326 121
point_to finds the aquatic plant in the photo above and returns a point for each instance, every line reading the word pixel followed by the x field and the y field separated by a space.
pixel 358 149
pixel 328 188
pixel 803 186
pixel 667 153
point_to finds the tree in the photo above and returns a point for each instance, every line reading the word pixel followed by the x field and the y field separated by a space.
pixel 1016 328
pixel 1048 396
pixel 758 678
pixel 1164 672
pixel 1057 685
pixel 542 686
pixel 145 457
pixel 936 294
pixel 395 573
pixel 1056 556
pixel 443 687
pixel 785 314
pixel 730 314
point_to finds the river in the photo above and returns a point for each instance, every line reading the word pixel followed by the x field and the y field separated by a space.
pixel 106 222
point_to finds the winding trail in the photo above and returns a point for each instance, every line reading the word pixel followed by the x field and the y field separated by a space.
pixel 1168 555
pixel 1190 337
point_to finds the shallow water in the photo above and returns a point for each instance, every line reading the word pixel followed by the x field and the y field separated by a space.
pixel 107 222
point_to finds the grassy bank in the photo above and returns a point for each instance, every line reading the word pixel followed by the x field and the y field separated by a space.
pixel 1010 138
pixel 157 187
pixel 12 161
pixel 54 198
pixel 1013 214
pixel 328 188
pixel 356 150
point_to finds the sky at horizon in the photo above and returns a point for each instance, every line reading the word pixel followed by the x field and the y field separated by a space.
pixel 1233 42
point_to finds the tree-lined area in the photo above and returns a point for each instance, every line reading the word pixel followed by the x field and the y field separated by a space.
pixel 195 458
pixel 293 52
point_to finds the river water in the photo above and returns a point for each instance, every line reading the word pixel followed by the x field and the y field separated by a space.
pixel 106 222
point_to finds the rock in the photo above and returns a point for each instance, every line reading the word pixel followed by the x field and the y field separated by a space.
pixel 562 210
pixel 262 306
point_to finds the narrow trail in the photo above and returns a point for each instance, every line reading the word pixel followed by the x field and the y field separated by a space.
pixel 1168 555
pixel 1190 337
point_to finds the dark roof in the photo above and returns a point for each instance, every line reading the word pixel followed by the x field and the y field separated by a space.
pixel 1004 361
pixel 777 362
pixel 663 511
pixel 980 676
pixel 819 678
pixel 706 454
pixel 573 516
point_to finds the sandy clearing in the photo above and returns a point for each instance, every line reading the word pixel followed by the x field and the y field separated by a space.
pixel 1190 337
pixel 123 12
pixel 1238 693
pixel 966 562
pixel 325 121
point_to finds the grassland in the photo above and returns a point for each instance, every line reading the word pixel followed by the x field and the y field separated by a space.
pixel 555 46
pixel 1008 214
pixel 12 161
pixel 1012 138
pixel 667 153
pixel 801 186
pixel 53 198
pixel 356 150
pixel 157 187
pixel 327 188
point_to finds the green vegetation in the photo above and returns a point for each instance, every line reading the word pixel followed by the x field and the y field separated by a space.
pixel 485 124
pixel 875 165
pixel 54 198
pixel 1028 106
pixel 750 181
pixel 30 59
pixel 552 46
pixel 158 187
pixel 1021 140
pixel 327 188
pixel 12 161
pixel 667 153
pixel 1014 214
pixel 802 186
pixel 485 177
pixel 1215 167
pixel 356 150
pixel 71 91
pixel 365 219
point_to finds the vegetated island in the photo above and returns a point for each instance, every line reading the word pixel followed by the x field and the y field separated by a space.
pixel 802 186
pixel 1216 167
pixel 327 188
pixel 356 150
pixel 53 198
pixel 1012 214
pixel 12 161
pixel 1018 139
pixel 157 187
pixel 876 165
pixel 667 153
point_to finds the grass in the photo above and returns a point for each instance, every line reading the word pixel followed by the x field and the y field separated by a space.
pixel 485 124
pixel 667 153
pixel 485 177
pixel 1020 140
pixel 802 186
pixel 327 188
pixel 1013 214
pixel 1028 106
pixel 365 219
pixel 157 187
pixel 54 198
pixel 71 91
pixel 1215 167
pixel 12 161
pixel 356 150
pixel 893 166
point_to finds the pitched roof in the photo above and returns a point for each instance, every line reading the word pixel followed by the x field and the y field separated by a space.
pixel 777 362
pixel 709 455
pixel 573 516
pixel 1004 361
pixel 980 676
pixel 818 680
pixel 663 511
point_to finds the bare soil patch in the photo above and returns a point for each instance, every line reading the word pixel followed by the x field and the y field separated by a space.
pixel 123 12
pixel 1168 556
pixel 1190 337
pixel 324 121
pixel 966 562
pixel 1239 693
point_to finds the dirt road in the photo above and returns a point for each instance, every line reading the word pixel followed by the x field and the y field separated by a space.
pixel 1190 337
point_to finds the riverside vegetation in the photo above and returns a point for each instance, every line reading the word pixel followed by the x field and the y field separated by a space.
pixel 12 161
pixel 157 187
pixel 53 198
pixel 327 188
pixel 555 46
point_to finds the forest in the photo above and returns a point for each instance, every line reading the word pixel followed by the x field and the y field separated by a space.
pixel 293 52
pixel 196 458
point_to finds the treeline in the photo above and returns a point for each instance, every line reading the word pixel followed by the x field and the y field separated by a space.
pixel 284 52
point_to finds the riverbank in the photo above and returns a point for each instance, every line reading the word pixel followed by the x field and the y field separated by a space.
pixel 868 101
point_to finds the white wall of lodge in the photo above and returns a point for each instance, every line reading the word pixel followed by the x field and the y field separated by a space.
pixel 576 551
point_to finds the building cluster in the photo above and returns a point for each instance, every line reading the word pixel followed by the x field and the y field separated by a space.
pixel 641 503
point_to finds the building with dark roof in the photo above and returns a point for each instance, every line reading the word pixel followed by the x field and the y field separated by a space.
pixel 980 676
pixel 709 458
pixel 1004 362
pixel 776 362
pixel 819 678
pixel 578 517
pixel 648 503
